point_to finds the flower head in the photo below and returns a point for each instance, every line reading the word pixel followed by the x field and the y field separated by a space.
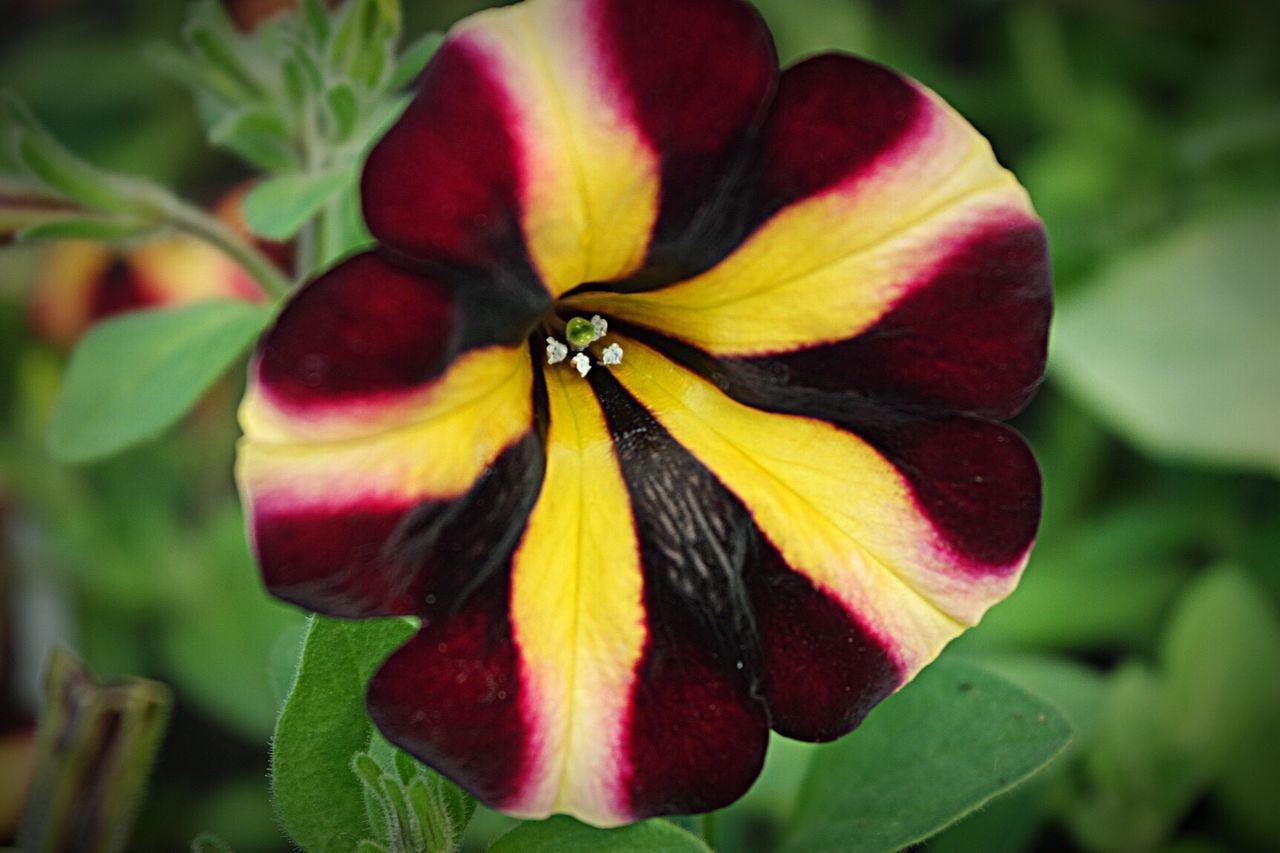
pixel 79 282
pixel 777 489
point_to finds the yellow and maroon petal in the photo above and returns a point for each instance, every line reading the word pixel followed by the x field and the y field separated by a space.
pixel 382 433
pixel 567 133
pixel 915 533
pixel 895 256
pixel 605 698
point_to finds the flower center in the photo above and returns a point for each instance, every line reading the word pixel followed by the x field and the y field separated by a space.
pixel 580 335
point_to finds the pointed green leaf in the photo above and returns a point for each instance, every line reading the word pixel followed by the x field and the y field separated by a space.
pixel 414 59
pixel 134 376
pixel 278 207
pixel 562 834
pixel 317 21
pixel 343 109
pixel 318 798
pixel 83 228
pixel 207 842
pixel 1175 345
pixel 949 742
pixel 258 135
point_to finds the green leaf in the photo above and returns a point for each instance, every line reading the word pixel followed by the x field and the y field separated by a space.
pixel 1221 661
pixel 414 59
pixel 344 109
pixel 220 631
pixel 317 21
pixel 562 834
pixel 952 740
pixel 83 228
pixel 134 376
pixel 258 135
pixel 185 71
pixel 278 207
pixel 207 842
pixel 318 799
pixel 1175 346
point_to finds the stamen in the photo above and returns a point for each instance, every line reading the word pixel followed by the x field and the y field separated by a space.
pixel 556 351
pixel 612 355
pixel 600 326
pixel 583 364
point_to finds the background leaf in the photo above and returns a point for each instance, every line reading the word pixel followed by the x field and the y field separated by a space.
pixel 278 207
pixel 950 741
pixel 562 834
pixel 134 376
pixel 319 801
pixel 1176 345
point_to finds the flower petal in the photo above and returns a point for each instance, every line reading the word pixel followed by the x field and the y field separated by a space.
pixel 573 125
pixel 883 211
pixel 360 432
pixel 635 713
pixel 817 669
pixel 327 541
pixel 612 705
pixel 365 348
pixel 861 527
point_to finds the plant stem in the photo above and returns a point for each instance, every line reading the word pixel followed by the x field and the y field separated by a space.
pixel 707 828
pixel 200 224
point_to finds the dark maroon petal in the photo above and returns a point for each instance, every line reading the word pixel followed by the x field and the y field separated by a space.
pixel 700 74
pixel 362 328
pixel 451 698
pixel 117 290
pixel 833 116
pixel 357 561
pixel 697 730
pixel 973 338
pixel 822 671
pixel 976 481
pixel 442 185
pixel 334 562
pixel 697 733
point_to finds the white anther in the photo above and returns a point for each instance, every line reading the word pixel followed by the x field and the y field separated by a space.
pixel 581 362
pixel 600 325
pixel 556 351
pixel 612 355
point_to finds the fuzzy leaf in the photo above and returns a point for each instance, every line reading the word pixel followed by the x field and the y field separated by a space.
pixel 318 799
pixel 134 376
pixel 278 207
pixel 562 834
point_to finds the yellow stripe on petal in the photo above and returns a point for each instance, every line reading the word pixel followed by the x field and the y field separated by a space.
pixel 835 509
pixel 432 445
pixel 578 616
pixel 589 178
pixel 829 266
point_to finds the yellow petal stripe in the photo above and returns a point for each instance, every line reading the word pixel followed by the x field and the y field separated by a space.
pixel 829 266
pixel 837 511
pixel 577 614
pixel 434 445
pixel 589 179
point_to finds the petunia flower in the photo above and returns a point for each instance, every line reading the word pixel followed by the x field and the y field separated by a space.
pixel 78 282
pixel 774 501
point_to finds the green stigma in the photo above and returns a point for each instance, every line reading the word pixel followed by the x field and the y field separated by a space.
pixel 580 333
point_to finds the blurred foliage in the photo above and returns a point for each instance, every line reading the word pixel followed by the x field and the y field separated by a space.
pixel 1148 133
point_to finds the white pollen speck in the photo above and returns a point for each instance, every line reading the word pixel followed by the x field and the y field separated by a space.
pixel 612 355
pixel 556 351
pixel 581 362
pixel 600 326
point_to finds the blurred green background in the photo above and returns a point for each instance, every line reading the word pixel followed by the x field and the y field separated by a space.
pixel 1149 136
